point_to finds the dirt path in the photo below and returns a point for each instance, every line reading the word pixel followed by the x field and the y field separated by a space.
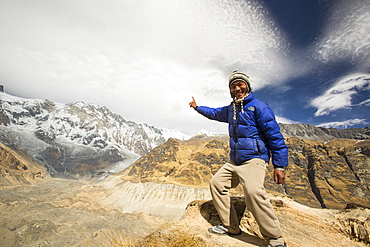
pixel 64 212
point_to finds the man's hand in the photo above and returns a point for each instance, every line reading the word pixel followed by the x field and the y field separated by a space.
pixel 279 176
pixel 193 103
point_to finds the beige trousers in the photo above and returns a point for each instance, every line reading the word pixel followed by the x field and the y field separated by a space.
pixel 251 175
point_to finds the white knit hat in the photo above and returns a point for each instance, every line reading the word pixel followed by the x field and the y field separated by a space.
pixel 240 76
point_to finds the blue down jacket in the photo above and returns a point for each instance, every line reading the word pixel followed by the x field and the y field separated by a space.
pixel 254 134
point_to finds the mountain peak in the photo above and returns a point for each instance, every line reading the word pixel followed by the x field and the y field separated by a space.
pixel 66 134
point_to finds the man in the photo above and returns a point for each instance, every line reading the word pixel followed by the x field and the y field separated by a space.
pixel 254 138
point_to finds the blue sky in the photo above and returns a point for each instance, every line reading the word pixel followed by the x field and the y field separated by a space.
pixel 145 59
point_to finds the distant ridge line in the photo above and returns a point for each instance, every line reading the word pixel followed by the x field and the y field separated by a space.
pixel 311 132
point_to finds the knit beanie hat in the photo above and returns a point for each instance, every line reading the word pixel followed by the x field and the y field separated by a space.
pixel 239 76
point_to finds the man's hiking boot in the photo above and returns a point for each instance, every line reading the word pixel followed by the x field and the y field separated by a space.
pixel 278 242
pixel 222 230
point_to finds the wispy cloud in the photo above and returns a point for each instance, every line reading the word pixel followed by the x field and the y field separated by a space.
pixel 143 59
pixel 285 120
pixel 365 102
pixel 346 33
pixel 344 124
pixel 340 95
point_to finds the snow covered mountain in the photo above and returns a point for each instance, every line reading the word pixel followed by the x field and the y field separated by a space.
pixel 76 137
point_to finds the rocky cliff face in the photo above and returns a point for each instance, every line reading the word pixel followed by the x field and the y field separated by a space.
pixel 18 168
pixel 327 175
pixel 165 200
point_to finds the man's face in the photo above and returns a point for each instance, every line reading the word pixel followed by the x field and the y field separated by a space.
pixel 239 89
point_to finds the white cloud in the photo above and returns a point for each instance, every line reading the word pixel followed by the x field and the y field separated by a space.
pixel 343 124
pixel 285 120
pixel 341 94
pixel 365 102
pixel 143 59
pixel 346 33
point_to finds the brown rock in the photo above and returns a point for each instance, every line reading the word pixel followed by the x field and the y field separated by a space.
pixel 19 168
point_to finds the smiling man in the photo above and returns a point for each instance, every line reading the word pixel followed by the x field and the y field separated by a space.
pixel 254 137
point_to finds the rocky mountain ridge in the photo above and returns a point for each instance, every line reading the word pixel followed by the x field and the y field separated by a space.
pixel 85 140
pixel 77 137
pixel 313 133
pixel 327 175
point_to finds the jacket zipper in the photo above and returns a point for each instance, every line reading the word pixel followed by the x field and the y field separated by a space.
pixel 236 132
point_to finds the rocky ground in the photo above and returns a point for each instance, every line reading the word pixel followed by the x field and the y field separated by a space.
pixel 61 212
pixel 301 225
